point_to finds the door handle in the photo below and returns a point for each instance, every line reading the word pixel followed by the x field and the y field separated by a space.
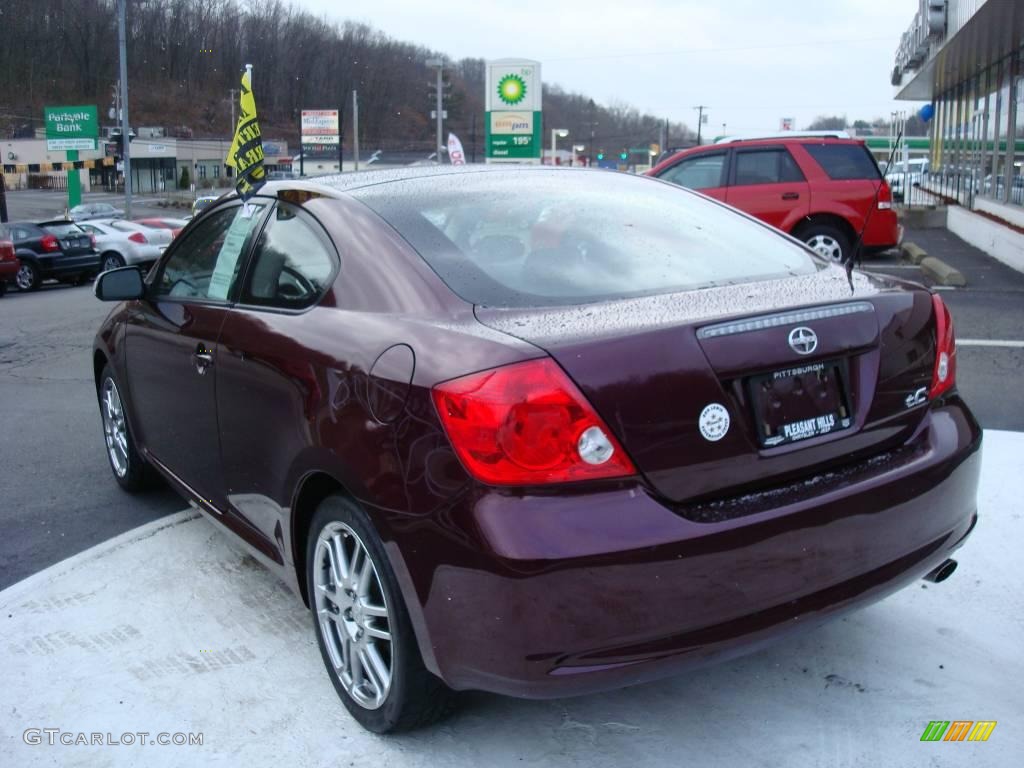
pixel 790 195
pixel 203 358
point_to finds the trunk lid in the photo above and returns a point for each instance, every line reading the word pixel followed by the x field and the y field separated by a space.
pixel 707 395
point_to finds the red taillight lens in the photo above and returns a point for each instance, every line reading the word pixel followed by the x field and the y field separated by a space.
pixel 138 237
pixel 527 424
pixel 50 243
pixel 944 373
pixel 6 250
pixel 92 241
pixel 884 197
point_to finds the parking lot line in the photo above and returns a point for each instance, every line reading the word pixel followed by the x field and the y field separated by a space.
pixel 989 343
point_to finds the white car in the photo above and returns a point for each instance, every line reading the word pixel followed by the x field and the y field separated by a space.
pixel 916 171
pixel 122 243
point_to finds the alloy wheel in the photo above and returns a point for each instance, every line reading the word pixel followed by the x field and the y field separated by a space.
pixel 25 278
pixel 826 246
pixel 114 428
pixel 111 262
pixel 352 614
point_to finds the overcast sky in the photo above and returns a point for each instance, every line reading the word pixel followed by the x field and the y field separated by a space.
pixel 751 61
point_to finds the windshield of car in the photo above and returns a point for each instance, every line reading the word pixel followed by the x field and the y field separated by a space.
pixel 533 238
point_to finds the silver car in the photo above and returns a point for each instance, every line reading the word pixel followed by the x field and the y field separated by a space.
pixel 90 211
pixel 127 243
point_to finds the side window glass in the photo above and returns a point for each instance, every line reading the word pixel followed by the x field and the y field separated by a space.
pixel 700 172
pixel 292 264
pixel 761 167
pixel 207 264
pixel 788 169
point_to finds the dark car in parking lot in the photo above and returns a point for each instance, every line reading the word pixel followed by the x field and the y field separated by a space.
pixel 537 431
pixel 58 250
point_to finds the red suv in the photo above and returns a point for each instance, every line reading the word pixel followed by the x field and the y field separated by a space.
pixel 818 189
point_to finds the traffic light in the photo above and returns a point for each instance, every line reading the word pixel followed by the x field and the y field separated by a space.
pixel 600 155
pixel 623 155
pixel 117 140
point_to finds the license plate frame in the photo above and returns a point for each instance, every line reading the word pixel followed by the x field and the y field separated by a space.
pixel 800 417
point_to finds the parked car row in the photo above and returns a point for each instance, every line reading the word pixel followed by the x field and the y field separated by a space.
pixel 75 251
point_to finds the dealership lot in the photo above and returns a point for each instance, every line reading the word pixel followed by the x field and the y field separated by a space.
pixel 859 691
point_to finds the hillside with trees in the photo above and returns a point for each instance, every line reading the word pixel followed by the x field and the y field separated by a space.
pixel 186 56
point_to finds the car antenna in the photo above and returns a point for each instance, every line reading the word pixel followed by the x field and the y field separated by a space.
pixel 858 246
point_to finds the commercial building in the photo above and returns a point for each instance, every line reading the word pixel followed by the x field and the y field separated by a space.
pixel 965 57
pixel 157 162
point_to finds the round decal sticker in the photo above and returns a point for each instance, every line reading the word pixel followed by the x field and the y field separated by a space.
pixel 714 422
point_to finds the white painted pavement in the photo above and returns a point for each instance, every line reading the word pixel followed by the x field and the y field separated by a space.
pixel 169 629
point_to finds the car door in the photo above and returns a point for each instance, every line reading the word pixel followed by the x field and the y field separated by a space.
pixel 766 182
pixel 171 350
pixel 705 171
pixel 268 383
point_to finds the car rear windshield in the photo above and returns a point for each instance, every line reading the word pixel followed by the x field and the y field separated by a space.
pixel 530 238
pixel 61 230
pixel 844 162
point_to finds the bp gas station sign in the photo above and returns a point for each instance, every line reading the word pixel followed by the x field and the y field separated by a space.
pixel 512 125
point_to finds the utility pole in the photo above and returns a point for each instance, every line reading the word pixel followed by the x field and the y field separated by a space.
pixel 125 139
pixel 439 63
pixel 232 98
pixel 355 130
pixel 700 119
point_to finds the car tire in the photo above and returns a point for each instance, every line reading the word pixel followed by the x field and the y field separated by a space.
pixel 132 472
pixel 28 277
pixel 111 260
pixel 825 240
pixel 400 694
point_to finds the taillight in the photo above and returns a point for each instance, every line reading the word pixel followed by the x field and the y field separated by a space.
pixel 884 197
pixel 138 237
pixel 92 241
pixel 6 251
pixel 50 243
pixel 944 373
pixel 527 424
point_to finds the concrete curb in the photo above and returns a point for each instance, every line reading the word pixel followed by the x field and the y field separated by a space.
pixel 940 272
pixel 912 252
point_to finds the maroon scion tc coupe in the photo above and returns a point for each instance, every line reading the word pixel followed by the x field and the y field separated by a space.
pixel 537 431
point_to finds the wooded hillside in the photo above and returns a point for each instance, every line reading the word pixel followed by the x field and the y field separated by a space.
pixel 185 56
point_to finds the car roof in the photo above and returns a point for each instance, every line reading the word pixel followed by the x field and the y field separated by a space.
pixel 347 182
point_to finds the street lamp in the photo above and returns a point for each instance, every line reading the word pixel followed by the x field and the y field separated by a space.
pixel 557 133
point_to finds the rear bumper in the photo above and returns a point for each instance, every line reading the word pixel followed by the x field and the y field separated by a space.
pixel 9 269
pixel 62 266
pixel 547 596
pixel 883 230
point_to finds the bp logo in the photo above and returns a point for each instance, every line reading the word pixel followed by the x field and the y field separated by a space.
pixel 512 89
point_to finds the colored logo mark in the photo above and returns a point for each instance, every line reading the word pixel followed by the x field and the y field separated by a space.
pixel 512 89
pixel 958 730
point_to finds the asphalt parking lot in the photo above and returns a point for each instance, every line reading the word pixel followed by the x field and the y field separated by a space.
pixel 857 692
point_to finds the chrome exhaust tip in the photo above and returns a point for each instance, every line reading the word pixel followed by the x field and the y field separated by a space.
pixel 943 572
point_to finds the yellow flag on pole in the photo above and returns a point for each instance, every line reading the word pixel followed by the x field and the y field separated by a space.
pixel 246 152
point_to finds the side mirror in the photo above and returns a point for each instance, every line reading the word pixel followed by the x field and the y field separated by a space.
pixel 122 284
